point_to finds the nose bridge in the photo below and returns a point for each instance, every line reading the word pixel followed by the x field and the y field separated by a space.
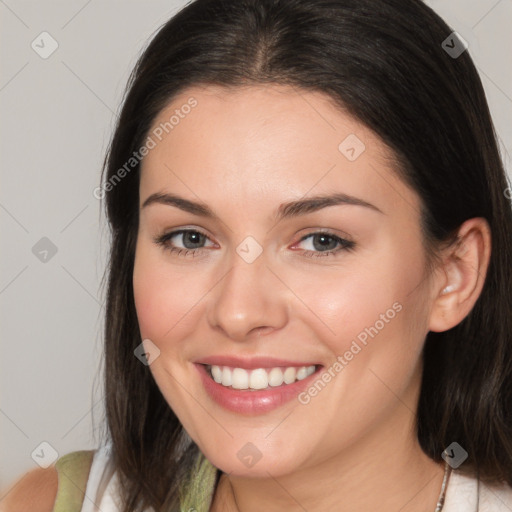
pixel 246 298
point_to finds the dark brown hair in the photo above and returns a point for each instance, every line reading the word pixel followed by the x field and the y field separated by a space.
pixel 383 62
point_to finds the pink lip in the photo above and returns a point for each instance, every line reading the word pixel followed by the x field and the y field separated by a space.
pixel 251 362
pixel 253 402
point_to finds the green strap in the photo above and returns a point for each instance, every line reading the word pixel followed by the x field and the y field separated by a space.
pixel 196 494
pixel 73 470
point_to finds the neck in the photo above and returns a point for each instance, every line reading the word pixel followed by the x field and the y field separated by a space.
pixel 379 472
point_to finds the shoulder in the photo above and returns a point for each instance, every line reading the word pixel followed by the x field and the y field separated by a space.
pixel 36 491
pixel 39 489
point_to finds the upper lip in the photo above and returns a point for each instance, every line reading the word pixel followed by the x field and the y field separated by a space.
pixel 251 362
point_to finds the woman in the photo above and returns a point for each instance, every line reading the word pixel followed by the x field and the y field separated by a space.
pixel 309 285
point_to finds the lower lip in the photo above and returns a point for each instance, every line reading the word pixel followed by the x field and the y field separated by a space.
pixel 252 402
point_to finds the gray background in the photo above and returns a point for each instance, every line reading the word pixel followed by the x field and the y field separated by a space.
pixel 57 116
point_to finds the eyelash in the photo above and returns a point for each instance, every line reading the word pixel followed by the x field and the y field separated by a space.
pixel 163 240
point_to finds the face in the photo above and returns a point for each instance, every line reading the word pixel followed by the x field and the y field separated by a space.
pixel 226 275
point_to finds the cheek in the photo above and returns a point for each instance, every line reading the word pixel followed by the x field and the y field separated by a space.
pixel 165 301
pixel 375 334
pixel 344 302
pixel 384 322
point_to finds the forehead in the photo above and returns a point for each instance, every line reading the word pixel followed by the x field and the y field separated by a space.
pixel 259 142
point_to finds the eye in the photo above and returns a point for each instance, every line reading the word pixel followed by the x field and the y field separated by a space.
pixel 191 240
pixel 323 244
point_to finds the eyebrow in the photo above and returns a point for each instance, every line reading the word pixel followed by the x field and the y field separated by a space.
pixel 285 210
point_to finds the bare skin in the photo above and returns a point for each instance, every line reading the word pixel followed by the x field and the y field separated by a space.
pixel 36 490
pixel 244 152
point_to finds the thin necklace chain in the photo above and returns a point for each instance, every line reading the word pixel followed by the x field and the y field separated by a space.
pixel 440 500
pixel 442 495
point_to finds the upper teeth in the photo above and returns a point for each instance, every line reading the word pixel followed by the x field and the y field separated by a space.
pixel 260 378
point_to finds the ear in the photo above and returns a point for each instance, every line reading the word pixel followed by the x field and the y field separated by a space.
pixel 461 279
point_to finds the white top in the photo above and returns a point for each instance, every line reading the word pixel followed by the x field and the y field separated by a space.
pixel 101 494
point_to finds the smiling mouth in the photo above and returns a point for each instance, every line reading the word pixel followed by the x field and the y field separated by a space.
pixel 259 378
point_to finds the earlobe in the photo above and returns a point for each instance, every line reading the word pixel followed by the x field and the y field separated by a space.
pixel 463 276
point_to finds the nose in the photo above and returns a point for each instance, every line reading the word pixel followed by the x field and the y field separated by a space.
pixel 248 301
